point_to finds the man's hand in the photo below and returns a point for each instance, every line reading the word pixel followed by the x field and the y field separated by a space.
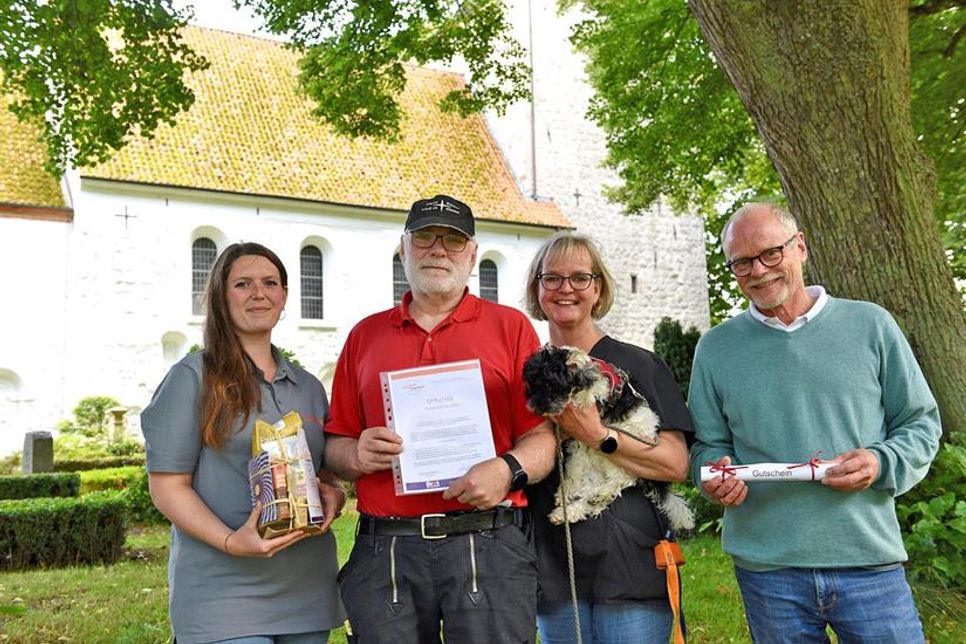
pixel 484 486
pixel 376 448
pixel 726 491
pixel 855 470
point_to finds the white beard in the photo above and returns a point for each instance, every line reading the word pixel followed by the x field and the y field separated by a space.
pixel 453 281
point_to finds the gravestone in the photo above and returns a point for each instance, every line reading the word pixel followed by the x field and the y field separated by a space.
pixel 38 452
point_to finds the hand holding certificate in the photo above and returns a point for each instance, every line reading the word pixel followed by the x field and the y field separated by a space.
pixel 441 414
pixel 812 470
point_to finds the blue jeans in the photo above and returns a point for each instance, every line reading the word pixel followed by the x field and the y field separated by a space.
pixel 796 604
pixel 623 623
pixel 315 637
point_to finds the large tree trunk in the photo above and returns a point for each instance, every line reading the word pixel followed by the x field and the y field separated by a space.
pixel 827 85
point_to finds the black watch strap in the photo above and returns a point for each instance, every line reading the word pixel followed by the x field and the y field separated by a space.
pixel 518 476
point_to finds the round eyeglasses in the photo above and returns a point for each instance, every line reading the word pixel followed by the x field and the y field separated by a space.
pixel 451 241
pixel 578 281
pixel 769 257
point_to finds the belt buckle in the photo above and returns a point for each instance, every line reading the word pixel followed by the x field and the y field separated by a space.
pixel 422 526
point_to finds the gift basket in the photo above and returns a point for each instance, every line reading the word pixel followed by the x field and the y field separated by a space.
pixel 283 478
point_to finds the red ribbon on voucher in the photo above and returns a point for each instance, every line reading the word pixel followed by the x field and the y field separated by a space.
pixel 726 470
pixel 813 463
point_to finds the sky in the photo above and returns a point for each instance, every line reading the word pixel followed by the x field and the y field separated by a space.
pixel 220 14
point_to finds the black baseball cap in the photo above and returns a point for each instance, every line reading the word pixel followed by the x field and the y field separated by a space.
pixel 441 210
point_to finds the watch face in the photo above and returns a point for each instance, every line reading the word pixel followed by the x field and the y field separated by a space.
pixel 609 445
pixel 519 481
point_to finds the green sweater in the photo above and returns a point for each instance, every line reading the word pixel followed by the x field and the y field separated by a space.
pixel 845 380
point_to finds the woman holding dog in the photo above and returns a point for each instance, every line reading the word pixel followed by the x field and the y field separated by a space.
pixel 226 582
pixel 622 595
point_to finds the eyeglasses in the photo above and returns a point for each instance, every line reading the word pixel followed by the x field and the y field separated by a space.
pixel 769 257
pixel 578 281
pixel 451 241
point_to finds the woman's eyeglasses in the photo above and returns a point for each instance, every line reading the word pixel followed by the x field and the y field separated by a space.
pixel 578 281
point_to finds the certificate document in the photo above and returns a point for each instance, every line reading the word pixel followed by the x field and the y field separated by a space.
pixel 440 412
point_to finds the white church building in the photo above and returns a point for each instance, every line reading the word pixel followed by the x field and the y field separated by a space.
pixel 104 268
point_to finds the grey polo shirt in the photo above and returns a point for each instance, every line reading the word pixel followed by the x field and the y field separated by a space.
pixel 214 596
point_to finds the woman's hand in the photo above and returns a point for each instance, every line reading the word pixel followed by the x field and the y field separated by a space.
pixel 333 501
pixel 246 542
pixel 582 424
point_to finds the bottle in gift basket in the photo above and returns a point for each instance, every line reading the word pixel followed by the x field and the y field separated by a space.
pixel 291 501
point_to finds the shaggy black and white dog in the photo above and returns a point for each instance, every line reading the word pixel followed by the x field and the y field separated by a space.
pixel 559 376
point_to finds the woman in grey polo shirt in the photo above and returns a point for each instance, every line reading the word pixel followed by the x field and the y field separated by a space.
pixel 226 583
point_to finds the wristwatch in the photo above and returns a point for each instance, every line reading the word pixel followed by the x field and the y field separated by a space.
pixel 518 477
pixel 609 444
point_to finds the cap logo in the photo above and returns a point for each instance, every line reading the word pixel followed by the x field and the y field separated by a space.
pixel 441 206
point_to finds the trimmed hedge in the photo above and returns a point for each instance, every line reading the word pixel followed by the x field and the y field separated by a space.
pixel 139 504
pixel 114 478
pixel 82 464
pixel 56 532
pixel 31 486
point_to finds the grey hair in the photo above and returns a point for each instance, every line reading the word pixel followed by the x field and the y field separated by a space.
pixel 785 218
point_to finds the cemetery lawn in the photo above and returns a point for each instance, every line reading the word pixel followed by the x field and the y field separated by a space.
pixel 126 603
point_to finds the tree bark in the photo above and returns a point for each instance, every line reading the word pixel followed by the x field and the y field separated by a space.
pixel 827 85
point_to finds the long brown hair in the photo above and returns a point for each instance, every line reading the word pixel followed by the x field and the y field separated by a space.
pixel 229 388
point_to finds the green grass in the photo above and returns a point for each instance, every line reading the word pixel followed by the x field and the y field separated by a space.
pixel 127 603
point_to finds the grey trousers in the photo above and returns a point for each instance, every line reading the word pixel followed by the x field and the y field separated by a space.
pixel 476 588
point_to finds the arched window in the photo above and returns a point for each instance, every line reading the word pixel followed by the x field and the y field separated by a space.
pixel 203 254
pixel 489 284
pixel 311 283
pixel 399 283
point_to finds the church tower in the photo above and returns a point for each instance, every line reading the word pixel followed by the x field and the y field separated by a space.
pixel 555 153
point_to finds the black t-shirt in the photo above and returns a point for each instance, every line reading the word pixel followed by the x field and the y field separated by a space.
pixel 613 553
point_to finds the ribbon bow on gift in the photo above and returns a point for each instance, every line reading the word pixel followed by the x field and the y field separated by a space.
pixel 726 470
pixel 812 463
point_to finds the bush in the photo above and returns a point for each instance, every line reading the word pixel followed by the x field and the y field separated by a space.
pixel 139 504
pixel 707 515
pixel 83 464
pixel 113 478
pixel 676 347
pixel 57 532
pixel 90 416
pixel 31 486
pixel 78 447
pixel 933 519
pixel 11 463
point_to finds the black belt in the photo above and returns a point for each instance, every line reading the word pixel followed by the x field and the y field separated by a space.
pixel 437 526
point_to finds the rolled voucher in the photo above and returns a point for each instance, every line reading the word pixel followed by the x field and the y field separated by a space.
pixel 813 470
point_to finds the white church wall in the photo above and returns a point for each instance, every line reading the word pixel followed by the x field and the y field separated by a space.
pixel 114 299
pixel 664 252
pixel 31 326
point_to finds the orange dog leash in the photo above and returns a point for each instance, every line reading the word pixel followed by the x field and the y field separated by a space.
pixel 668 556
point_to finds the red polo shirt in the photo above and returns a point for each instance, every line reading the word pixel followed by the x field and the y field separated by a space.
pixel 501 338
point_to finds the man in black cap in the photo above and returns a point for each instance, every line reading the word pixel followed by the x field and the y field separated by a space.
pixel 462 558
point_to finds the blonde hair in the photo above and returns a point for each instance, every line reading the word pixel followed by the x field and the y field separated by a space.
pixel 560 245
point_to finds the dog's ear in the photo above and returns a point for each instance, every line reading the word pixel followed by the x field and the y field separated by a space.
pixel 547 381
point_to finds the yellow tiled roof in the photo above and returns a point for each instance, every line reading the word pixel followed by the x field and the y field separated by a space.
pixel 250 132
pixel 22 177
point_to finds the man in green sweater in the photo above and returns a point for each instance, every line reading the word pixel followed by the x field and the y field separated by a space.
pixel 796 374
